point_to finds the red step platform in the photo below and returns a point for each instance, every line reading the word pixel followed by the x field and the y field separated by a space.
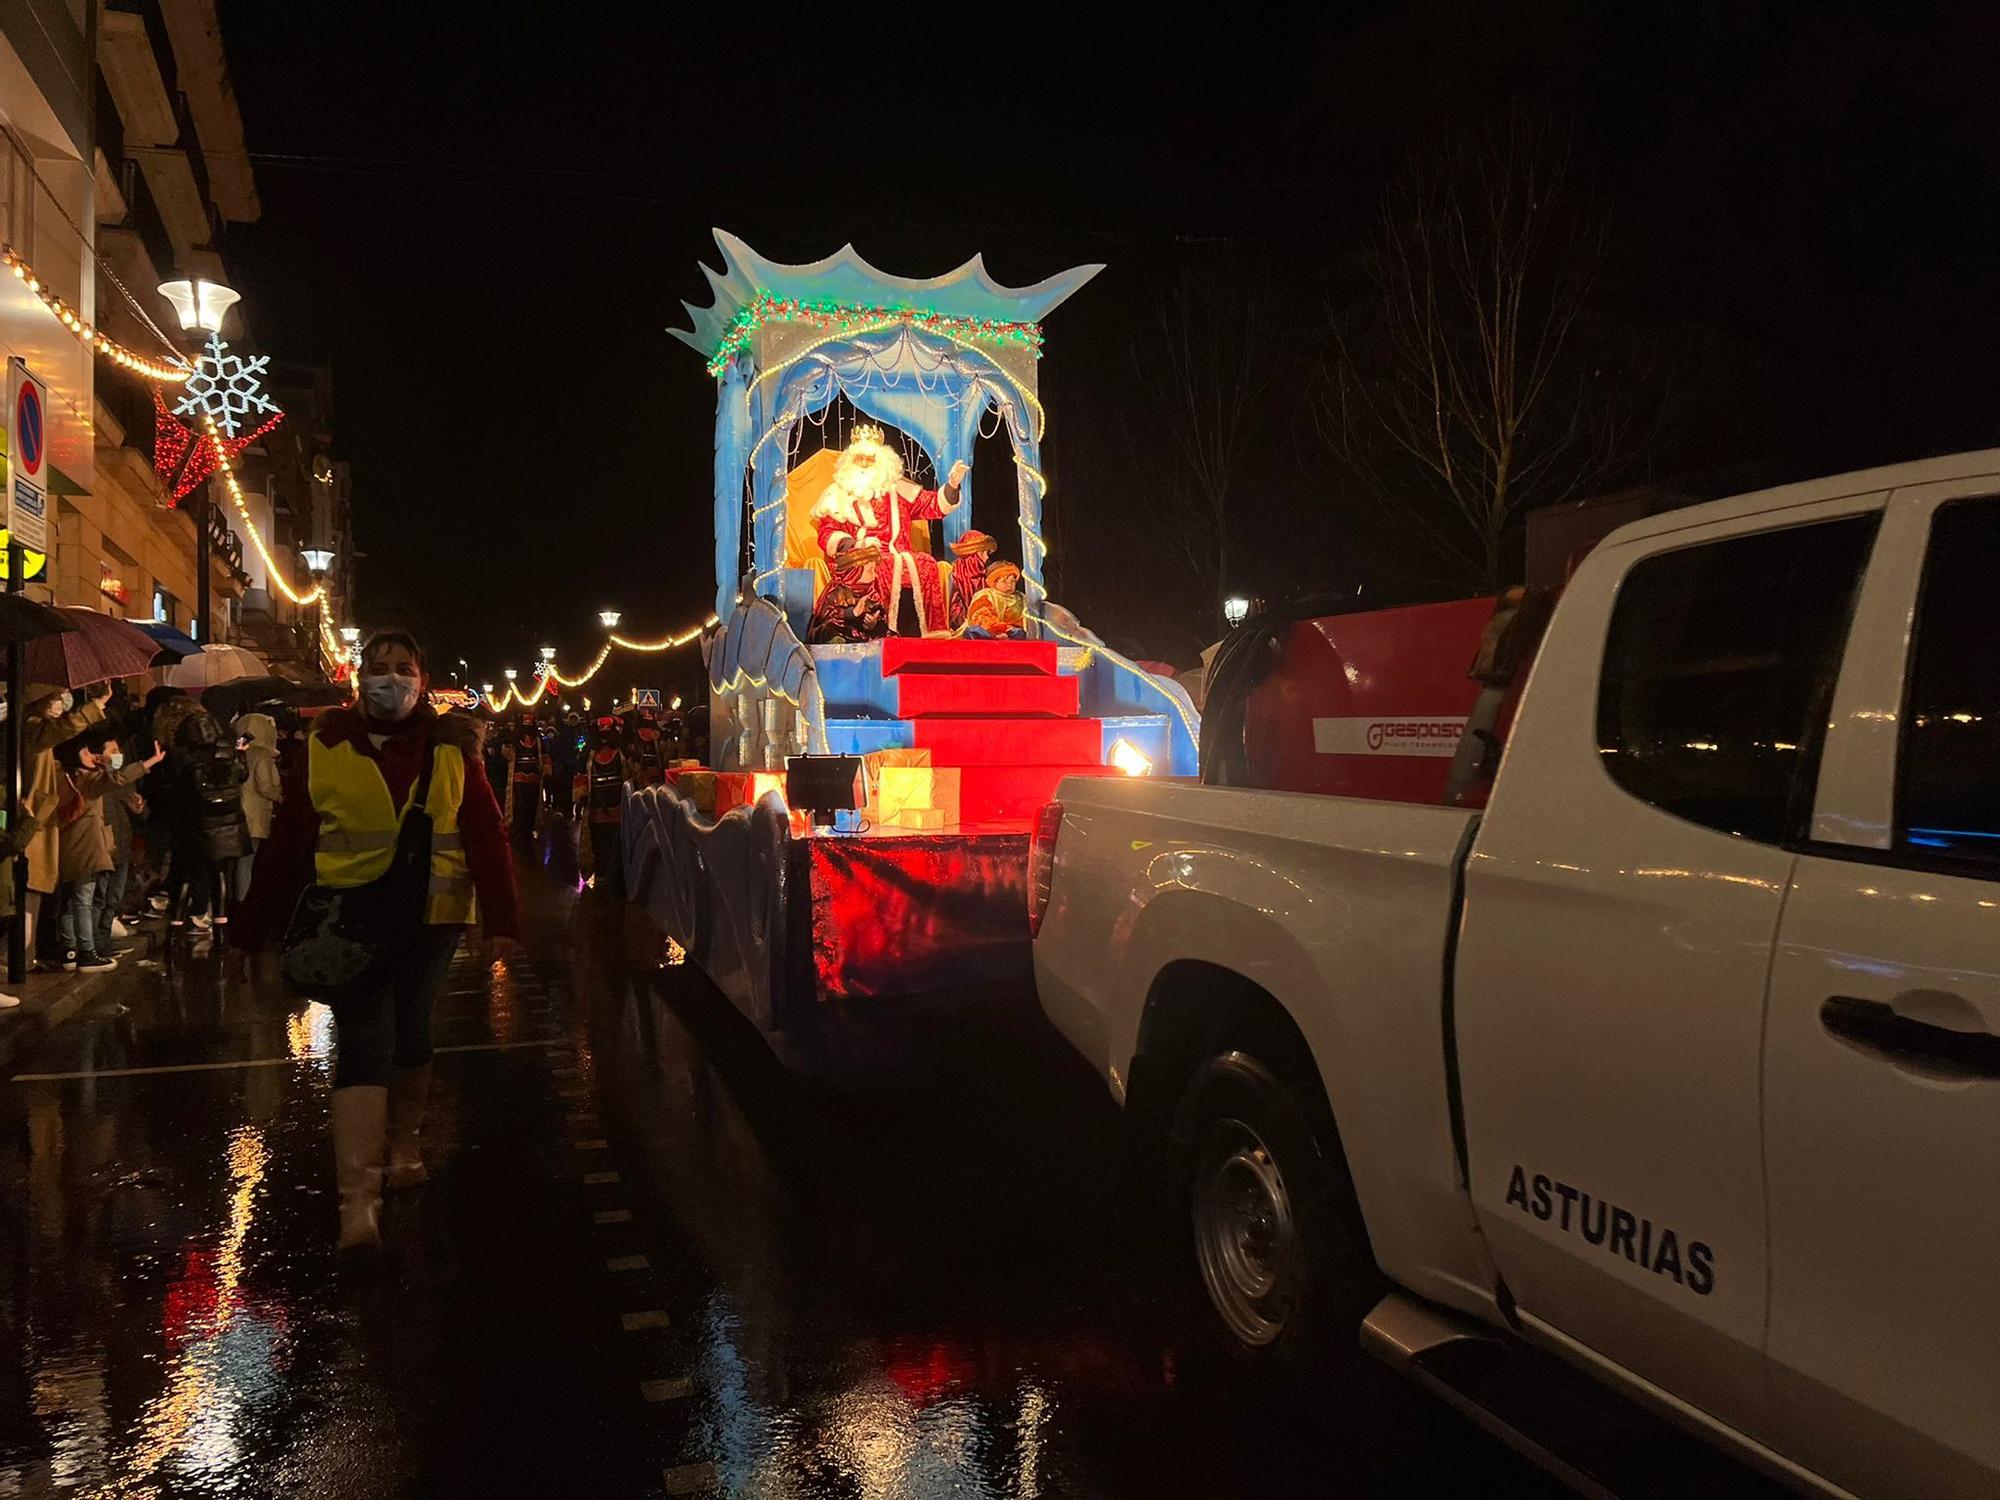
pixel 902 654
pixel 1002 714
pixel 1009 742
pixel 934 694
pixel 1006 794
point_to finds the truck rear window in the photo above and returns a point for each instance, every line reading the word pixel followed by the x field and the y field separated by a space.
pixel 1719 668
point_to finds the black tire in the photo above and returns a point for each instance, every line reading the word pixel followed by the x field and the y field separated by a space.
pixel 1266 1202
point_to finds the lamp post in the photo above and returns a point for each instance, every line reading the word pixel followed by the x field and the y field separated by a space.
pixel 318 559
pixel 201 306
pixel 548 653
pixel 1235 610
pixel 609 618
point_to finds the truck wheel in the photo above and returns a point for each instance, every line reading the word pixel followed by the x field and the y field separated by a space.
pixel 1277 1237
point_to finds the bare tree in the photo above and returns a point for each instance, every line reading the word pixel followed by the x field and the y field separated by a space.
pixel 1207 376
pixel 1465 394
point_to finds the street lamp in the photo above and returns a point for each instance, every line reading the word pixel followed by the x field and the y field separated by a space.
pixel 609 618
pixel 200 305
pixel 486 689
pixel 1235 610
pixel 319 559
pixel 548 653
pixel 351 634
pixel 509 673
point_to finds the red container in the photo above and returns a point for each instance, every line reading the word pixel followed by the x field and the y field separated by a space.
pixel 1368 705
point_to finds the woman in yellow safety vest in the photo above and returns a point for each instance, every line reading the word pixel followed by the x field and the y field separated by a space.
pixel 337 825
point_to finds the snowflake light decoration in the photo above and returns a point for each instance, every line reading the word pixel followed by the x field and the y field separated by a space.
pixel 226 387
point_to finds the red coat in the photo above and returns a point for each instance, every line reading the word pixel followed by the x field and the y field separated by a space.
pixel 284 865
pixel 885 522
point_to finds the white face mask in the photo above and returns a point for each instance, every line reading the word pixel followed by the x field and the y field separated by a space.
pixel 115 760
pixel 390 696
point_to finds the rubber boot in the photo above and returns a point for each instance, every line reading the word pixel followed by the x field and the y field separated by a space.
pixel 360 1131
pixel 409 1088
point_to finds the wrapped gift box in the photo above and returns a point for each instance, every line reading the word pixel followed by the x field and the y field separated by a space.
pixel 874 762
pixel 916 797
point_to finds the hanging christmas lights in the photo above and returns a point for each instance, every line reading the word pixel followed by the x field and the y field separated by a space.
pixel 317 593
pixel 841 317
pixel 548 672
pixel 172 372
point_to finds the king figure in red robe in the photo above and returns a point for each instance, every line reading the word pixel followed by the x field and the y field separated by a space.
pixel 869 503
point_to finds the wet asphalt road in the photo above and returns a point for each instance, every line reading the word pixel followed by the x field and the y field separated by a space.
pixel 648 1261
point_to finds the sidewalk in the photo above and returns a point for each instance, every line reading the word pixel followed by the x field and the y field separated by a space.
pixel 48 1000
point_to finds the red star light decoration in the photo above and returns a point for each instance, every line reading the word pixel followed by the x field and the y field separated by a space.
pixel 184 458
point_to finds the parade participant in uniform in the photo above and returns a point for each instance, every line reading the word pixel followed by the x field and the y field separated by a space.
pixel 643 750
pixel 565 759
pixel 604 799
pixel 525 768
pixel 337 825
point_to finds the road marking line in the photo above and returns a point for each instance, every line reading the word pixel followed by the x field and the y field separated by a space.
pixel 627 1263
pixel 613 1216
pixel 666 1390
pixel 689 1479
pixel 634 1322
pixel 590 1145
pixel 593 1179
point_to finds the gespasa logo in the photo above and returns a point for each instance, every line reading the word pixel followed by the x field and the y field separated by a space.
pixel 1411 736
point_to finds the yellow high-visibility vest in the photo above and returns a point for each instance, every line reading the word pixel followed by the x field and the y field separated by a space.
pixel 358 825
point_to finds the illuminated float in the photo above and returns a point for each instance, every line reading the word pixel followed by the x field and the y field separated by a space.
pixel 849 404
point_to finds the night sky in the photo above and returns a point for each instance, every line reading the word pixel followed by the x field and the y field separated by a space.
pixel 486 217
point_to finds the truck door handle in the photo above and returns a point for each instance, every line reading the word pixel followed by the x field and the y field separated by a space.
pixel 1876 1026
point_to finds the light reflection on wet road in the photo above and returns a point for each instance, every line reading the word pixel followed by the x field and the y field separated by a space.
pixel 648 1262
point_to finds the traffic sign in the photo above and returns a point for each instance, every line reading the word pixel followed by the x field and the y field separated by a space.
pixel 27 457
pixel 648 698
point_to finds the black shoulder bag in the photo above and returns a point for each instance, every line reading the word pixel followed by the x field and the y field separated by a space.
pixel 342 939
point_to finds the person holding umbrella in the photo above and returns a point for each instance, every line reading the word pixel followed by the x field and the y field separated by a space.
pixel 53 714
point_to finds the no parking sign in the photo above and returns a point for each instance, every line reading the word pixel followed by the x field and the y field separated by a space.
pixel 27 457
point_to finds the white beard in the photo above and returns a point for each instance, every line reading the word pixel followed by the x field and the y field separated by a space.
pixel 850 494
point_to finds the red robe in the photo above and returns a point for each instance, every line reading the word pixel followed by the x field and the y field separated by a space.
pixel 885 521
pixel 968 577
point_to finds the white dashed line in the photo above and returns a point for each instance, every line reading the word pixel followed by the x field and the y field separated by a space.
pixel 627 1263
pixel 597 1179
pixel 666 1390
pixel 613 1216
pixel 634 1322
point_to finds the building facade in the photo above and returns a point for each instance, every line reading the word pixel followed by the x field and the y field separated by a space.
pixel 125 166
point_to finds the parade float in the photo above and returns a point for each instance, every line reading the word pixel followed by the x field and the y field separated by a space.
pixel 867 638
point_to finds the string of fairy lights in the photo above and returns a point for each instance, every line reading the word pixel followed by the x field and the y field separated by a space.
pixel 179 370
pixel 548 672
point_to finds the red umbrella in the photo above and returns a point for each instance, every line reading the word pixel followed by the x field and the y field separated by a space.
pixel 98 649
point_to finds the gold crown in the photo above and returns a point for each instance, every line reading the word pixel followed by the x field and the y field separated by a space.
pixel 868 432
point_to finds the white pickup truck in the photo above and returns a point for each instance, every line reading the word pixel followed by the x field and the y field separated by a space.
pixel 1680 1060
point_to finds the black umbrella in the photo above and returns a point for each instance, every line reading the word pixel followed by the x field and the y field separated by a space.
pixel 24 620
pixel 228 699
